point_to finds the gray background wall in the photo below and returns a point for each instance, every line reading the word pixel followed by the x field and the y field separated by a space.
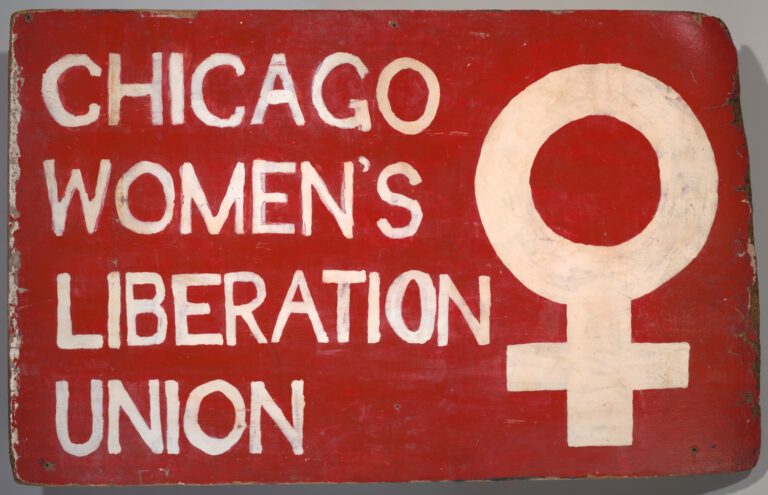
pixel 748 22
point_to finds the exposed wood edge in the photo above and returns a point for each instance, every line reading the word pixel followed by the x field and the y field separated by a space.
pixel 14 257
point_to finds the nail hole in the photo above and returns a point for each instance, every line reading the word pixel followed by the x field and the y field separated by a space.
pixel 28 17
pixel 393 24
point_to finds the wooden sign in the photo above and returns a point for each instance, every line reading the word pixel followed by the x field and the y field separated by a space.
pixel 378 246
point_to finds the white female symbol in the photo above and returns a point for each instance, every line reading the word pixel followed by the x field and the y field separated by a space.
pixel 598 366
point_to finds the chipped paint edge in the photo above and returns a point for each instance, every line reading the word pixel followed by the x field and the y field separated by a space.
pixel 14 257
pixel 173 14
pixel 750 333
pixel 753 291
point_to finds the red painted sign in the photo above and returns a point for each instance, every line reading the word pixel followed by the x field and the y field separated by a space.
pixel 378 246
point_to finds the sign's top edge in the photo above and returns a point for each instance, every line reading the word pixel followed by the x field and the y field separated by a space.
pixel 189 13
pixel 192 14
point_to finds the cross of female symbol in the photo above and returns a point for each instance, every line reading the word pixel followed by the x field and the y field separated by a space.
pixel 599 366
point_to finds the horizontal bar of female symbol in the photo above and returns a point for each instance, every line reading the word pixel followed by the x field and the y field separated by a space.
pixel 553 366
pixel 599 381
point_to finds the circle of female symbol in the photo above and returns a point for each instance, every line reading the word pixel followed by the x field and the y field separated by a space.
pixel 599 366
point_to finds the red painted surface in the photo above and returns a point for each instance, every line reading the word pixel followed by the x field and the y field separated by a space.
pixel 389 411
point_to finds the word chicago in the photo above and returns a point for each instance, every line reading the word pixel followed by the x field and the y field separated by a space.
pixel 169 96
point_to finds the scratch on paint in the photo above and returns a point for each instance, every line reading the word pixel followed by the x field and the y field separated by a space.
pixel 512 421
pixel 449 133
pixel 166 472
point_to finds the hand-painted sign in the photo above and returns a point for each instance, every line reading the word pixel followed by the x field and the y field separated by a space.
pixel 378 246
